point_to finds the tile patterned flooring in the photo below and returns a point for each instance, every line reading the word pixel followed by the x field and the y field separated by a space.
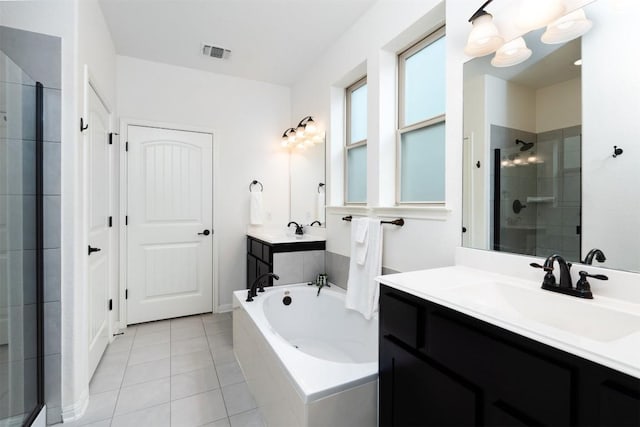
pixel 171 373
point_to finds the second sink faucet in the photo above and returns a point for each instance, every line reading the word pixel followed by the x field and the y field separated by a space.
pixel 299 230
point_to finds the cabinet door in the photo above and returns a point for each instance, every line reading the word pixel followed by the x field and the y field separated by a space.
pixel 619 406
pixel 415 393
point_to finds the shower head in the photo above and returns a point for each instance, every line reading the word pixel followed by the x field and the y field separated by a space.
pixel 525 145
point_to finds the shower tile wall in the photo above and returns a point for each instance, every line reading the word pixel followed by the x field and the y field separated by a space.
pixel 45 67
pixel 337 269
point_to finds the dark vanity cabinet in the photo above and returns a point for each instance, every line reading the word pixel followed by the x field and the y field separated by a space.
pixel 439 367
pixel 260 255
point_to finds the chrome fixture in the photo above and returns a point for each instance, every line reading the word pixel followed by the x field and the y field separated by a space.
pixel 582 289
pixel 304 134
pixel 259 282
pixel 594 253
pixel 299 229
pixel 485 37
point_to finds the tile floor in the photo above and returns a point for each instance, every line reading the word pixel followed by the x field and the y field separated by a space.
pixel 179 373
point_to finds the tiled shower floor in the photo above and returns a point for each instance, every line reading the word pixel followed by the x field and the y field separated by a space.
pixel 178 373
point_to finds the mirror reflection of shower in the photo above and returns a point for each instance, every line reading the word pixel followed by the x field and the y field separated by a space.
pixel 525 145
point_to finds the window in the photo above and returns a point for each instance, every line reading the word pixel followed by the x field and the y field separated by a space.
pixel 356 143
pixel 421 121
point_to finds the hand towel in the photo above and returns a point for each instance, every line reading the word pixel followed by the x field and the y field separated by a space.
pixel 256 210
pixel 320 215
pixel 359 231
pixel 363 292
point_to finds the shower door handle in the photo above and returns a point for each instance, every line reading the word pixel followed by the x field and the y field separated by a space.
pixel 92 250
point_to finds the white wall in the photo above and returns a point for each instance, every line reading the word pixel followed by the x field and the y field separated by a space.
pixel 610 190
pixel 559 106
pixel 247 118
pixel 510 105
pixel 371 45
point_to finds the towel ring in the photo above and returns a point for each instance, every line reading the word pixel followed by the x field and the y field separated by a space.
pixel 320 185
pixel 256 182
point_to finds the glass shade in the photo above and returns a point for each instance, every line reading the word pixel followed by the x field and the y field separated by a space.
pixel 567 28
pixel 535 14
pixel 484 37
pixel 511 53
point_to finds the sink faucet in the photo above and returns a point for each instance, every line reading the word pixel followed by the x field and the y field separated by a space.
pixel 582 288
pixel 252 290
pixel 594 253
pixel 299 230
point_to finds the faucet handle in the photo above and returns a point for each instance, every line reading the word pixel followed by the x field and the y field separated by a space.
pixel 583 284
pixel 545 268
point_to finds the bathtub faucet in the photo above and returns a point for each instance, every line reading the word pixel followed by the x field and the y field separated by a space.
pixel 252 292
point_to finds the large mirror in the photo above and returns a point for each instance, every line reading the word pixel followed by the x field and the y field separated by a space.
pixel 307 177
pixel 540 176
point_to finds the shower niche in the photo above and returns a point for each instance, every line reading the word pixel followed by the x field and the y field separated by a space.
pixel 536 191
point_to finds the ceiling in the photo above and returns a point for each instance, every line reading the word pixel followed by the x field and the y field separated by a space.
pixel 270 40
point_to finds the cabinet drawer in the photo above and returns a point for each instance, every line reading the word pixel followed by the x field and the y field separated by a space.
pixel 400 317
pixel 619 406
pixel 533 386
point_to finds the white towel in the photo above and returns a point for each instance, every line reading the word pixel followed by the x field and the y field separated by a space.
pixel 363 291
pixel 360 243
pixel 256 210
pixel 320 215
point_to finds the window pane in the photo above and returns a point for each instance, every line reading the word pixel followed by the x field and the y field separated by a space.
pixel 358 115
pixel 422 178
pixel 357 174
pixel 424 83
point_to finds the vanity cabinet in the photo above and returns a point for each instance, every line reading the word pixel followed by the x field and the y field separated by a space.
pixel 261 254
pixel 440 367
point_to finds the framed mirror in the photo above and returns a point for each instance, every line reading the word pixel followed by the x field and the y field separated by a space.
pixel 539 173
pixel 307 178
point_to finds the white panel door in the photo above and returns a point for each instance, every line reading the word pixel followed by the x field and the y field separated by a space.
pixel 170 203
pixel 98 191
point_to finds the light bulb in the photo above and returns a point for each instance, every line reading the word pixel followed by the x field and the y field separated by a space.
pixel 292 137
pixel 310 126
pixel 300 131
pixel 569 27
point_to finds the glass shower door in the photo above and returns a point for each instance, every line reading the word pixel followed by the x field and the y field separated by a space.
pixel 21 363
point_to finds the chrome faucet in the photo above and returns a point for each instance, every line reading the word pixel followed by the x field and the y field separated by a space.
pixel 299 230
pixel 253 292
pixel 594 253
pixel 565 286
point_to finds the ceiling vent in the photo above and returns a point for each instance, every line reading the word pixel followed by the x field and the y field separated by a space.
pixel 215 52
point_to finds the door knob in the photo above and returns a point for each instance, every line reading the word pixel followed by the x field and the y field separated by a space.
pixel 92 250
pixel 205 232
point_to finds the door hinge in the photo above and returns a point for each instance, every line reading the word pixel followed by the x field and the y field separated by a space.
pixel 126 294
pixel 126 220
pixel 126 146
pixel 110 221
pixel 110 305
pixel 111 137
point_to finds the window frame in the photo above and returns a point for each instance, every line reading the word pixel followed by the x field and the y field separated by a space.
pixel 402 127
pixel 348 145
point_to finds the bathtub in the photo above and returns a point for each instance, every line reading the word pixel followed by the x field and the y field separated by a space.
pixel 308 363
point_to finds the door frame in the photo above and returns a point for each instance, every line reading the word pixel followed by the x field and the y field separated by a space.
pixel 90 83
pixel 125 122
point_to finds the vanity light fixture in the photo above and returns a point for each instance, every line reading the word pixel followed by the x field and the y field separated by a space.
pixel 578 62
pixel 303 135
pixel 485 37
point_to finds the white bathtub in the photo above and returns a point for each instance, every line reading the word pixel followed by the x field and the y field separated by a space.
pixel 309 363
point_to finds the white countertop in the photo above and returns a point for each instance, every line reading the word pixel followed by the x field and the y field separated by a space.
pixel 462 288
pixel 279 237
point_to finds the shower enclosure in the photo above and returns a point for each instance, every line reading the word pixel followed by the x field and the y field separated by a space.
pixel 536 183
pixel 21 243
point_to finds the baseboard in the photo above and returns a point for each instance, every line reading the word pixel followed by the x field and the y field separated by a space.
pixel 224 308
pixel 76 410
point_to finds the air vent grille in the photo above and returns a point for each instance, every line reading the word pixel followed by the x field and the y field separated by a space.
pixel 215 51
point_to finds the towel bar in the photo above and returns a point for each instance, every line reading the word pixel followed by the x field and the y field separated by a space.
pixel 399 222
pixel 256 182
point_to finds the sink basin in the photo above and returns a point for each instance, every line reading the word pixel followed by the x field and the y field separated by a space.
pixel 580 317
